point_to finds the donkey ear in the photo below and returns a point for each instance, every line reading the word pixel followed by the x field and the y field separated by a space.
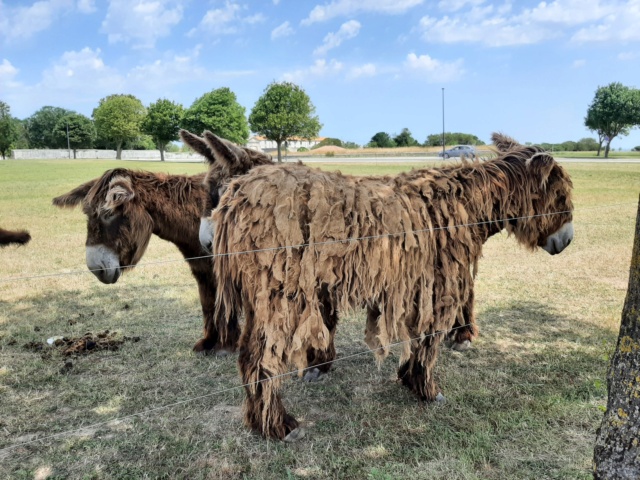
pixel 75 196
pixel 197 144
pixel 540 165
pixel 120 192
pixel 503 143
pixel 224 151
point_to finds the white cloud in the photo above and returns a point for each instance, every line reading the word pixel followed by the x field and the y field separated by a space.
pixel 7 74
pixel 621 25
pixel 338 8
pixel 627 56
pixel 22 22
pixel 433 70
pixel 347 30
pixel 320 69
pixel 283 30
pixel 366 70
pixel 226 20
pixel 579 63
pixel 498 25
pixel 455 5
pixel 142 22
pixel 87 6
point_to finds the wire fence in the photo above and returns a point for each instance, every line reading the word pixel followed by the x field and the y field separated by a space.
pixel 153 410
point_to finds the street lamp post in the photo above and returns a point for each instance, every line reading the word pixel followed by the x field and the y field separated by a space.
pixel 68 142
pixel 442 122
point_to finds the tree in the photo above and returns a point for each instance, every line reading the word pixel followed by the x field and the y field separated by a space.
pixel 455 138
pixel 163 123
pixel 382 140
pixel 41 126
pixel 617 450
pixel 118 119
pixel 328 141
pixel 8 130
pixel 587 144
pixel 615 109
pixel 405 139
pixel 219 112
pixel 283 111
pixel 82 132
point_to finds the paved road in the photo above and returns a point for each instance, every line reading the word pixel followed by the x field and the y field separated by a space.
pixel 412 159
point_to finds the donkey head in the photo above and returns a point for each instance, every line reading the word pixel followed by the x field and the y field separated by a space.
pixel 118 225
pixel 226 160
pixel 546 211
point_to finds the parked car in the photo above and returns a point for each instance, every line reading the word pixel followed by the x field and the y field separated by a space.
pixel 459 151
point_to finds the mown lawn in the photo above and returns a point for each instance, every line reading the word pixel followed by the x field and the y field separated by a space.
pixel 523 403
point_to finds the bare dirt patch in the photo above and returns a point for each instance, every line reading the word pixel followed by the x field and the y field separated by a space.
pixel 88 343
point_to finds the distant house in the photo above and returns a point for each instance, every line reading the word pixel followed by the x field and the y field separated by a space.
pixel 260 143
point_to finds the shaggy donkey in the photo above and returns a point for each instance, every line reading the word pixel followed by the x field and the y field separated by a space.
pixel 125 207
pixel 421 238
pixel 233 161
pixel 8 237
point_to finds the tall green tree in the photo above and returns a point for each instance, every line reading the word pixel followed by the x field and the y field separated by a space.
pixel 41 125
pixel 163 122
pixel 615 109
pixel 405 139
pixel 118 119
pixel 8 129
pixel 382 140
pixel 77 129
pixel 284 111
pixel 219 112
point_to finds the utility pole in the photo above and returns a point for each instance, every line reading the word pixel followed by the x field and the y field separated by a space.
pixel 442 122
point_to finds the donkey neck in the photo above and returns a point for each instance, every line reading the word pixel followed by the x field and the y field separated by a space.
pixel 486 191
pixel 174 203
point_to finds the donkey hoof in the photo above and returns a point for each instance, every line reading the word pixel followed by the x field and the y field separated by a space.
pixel 295 435
pixel 440 399
pixel 312 375
pixel 461 347
pixel 223 353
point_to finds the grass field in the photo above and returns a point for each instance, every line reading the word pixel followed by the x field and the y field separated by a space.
pixel 523 403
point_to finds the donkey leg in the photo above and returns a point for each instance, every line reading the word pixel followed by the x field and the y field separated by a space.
pixel 417 372
pixel 465 330
pixel 263 408
pixel 320 361
pixel 220 335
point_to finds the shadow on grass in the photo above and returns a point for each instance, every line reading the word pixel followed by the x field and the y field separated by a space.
pixel 522 403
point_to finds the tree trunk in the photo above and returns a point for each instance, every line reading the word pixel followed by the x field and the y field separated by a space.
pixel 119 150
pixel 74 153
pixel 161 145
pixel 279 142
pixel 599 148
pixel 606 150
pixel 617 449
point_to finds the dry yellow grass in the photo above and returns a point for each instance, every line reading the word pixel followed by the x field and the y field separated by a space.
pixel 523 403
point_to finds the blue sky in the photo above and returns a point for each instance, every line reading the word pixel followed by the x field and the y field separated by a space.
pixel 526 68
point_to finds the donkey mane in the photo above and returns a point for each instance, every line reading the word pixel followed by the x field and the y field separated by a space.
pixel 179 187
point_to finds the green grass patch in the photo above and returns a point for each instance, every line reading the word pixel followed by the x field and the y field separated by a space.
pixel 523 403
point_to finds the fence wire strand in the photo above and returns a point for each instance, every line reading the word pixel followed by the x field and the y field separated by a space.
pixel 302 245
pixel 224 390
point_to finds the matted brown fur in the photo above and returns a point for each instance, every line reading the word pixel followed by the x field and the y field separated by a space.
pixel 421 238
pixel 9 237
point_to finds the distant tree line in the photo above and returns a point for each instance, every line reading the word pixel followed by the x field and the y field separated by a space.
pixel 123 122
pixel 406 139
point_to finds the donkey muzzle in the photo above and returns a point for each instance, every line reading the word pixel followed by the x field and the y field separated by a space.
pixel 103 263
pixel 559 240
pixel 207 230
